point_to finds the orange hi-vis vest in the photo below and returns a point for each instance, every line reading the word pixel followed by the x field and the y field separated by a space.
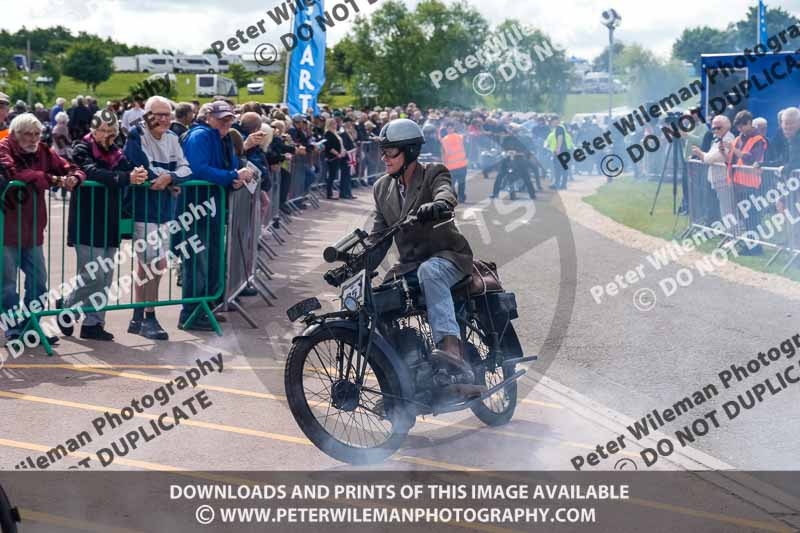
pixel 453 152
pixel 3 134
pixel 746 177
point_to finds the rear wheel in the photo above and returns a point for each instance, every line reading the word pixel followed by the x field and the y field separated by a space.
pixel 498 408
pixel 354 423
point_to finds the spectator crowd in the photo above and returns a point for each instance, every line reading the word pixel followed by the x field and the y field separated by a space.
pixel 142 153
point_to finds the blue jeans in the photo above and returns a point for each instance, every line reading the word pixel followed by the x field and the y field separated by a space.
pixel 31 261
pixel 102 281
pixel 459 176
pixel 436 276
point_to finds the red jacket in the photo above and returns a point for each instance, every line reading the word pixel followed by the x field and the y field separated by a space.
pixel 38 170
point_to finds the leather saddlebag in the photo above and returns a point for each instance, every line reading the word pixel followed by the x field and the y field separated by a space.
pixel 484 278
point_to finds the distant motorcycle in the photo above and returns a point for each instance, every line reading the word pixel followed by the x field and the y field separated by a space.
pixel 356 379
pixel 490 160
pixel 514 175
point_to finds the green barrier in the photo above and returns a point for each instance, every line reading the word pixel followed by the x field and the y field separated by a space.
pixel 193 193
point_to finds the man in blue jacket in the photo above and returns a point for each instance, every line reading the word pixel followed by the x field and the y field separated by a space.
pixel 211 155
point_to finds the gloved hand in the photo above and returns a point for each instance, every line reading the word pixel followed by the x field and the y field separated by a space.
pixel 432 211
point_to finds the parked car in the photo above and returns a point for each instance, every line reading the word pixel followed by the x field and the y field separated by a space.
pixel 256 87
pixel 337 90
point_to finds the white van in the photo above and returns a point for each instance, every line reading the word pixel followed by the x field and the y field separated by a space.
pixel 193 64
pixel 223 63
pixel 214 85
pixel 125 64
pixel 155 63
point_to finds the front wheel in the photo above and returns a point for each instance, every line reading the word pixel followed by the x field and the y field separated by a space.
pixel 357 423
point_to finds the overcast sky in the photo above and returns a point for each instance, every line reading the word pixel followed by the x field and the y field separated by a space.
pixel 192 25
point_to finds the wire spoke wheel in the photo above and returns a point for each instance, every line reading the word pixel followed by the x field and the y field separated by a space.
pixel 354 420
pixel 498 408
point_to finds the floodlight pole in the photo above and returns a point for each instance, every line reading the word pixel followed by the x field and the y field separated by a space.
pixel 610 70
pixel 30 74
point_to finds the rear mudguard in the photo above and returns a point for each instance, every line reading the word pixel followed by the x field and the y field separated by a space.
pixel 510 344
pixel 399 367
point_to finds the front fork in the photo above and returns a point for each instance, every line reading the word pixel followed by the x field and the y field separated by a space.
pixel 345 362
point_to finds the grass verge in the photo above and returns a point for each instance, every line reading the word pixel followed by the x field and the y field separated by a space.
pixel 629 201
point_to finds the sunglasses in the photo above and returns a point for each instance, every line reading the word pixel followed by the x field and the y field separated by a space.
pixel 714 128
pixel 391 153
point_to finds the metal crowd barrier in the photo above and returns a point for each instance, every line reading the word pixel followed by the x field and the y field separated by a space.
pixel 275 226
pixel 370 164
pixel 758 207
pixel 188 226
pixel 243 234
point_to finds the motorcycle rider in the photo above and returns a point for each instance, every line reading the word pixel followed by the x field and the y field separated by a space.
pixel 523 164
pixel 438 252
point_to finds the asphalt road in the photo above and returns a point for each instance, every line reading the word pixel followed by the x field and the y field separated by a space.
pixel 601 367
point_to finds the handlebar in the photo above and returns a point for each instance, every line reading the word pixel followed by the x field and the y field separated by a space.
pixel 340 250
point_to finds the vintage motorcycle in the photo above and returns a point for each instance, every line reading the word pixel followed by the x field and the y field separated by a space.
pixel 356 379
pixel 515 171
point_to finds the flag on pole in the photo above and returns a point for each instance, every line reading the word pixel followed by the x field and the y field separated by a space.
pixel 352 161
pixel 762 23
pixel 307 64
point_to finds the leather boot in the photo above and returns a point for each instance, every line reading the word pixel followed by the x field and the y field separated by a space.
pixel 451 345
pixel 448 355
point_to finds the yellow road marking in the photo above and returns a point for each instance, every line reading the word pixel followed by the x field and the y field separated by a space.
pixel 435 464
pixel 78 453
pixel 84 366
pixel 144 377
pixel 222 479
pixel 744 522
pixel 295 440
pixel 130 462
pixel 104 370
pixel 88 366
pixel 426 462
pixel 542 404
pixel 29 515
pixel 766 526
pixel 196 423
pixel 280 398
pixel 516 435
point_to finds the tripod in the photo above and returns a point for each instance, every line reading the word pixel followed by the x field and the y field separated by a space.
pixel 676 148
